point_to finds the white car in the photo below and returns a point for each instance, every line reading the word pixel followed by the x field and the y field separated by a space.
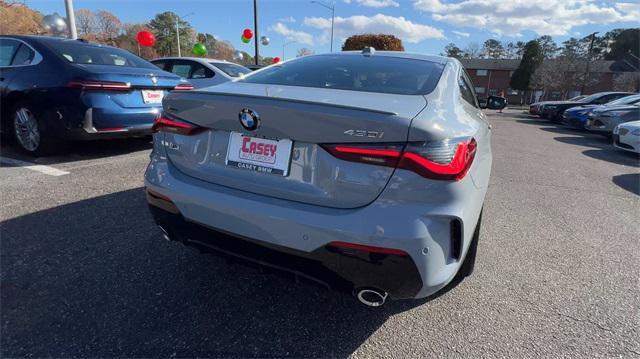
pixel 626 136
pixel 201 72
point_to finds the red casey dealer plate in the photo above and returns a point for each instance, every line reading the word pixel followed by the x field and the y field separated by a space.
pixel 259 154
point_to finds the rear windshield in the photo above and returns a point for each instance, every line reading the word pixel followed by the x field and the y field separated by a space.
pixel 232 70
pixel 383 74
pixel 92 54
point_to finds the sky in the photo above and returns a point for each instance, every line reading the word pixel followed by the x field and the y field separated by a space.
pixel 425 26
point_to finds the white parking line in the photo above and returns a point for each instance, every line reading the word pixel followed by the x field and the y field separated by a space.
pixel 34 167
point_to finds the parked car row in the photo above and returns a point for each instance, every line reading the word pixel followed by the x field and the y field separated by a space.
pixel 614 114
pixel 54 89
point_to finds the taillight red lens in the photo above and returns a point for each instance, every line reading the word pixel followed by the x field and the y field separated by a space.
pixel 100 85
pixel 183 87
pixel 175 126
pixel 443 160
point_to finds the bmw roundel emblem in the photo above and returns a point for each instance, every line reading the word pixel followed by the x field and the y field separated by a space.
pixel 249 119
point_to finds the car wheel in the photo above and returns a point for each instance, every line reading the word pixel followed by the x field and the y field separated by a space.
pixel 467 267
pixel 28 132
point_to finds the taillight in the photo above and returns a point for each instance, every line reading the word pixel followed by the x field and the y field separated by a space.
pixel 183 87
pixel 175 126
pixel 100 85
pixel 447 159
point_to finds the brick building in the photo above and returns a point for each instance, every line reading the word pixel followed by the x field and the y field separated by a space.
pixel 491 78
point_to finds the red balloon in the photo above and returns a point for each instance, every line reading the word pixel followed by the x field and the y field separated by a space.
pixel 145 38
pixel 275 60
pixel 247 33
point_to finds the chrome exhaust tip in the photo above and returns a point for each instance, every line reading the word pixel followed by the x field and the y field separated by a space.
pixel 165 234
pixel 372 297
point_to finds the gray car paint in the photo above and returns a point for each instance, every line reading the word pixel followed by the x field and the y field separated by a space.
pixel 411 213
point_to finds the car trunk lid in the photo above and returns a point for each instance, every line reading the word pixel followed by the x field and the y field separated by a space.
pixel 308 117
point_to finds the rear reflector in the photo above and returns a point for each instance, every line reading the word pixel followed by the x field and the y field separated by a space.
pixel 100 85
pixel 183 87
pixel 175 126
pixel 448 159
pixel 368 249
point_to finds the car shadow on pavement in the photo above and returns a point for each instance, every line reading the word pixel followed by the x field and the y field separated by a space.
pixel 79 150
pixel 602 149
pixel 94 278
pixel 629 182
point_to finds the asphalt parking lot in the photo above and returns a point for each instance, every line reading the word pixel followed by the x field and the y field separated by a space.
pixel 85 273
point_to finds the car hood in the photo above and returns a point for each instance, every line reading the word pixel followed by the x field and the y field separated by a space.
pixel 616 108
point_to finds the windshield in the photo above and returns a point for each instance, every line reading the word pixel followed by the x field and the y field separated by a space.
pixel 383 74
pixel 92 54
pixel 629 100
pixel 232 70
pixel 577 98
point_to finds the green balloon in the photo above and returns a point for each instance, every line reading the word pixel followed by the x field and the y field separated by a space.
pixel 244 39
pixel 199 49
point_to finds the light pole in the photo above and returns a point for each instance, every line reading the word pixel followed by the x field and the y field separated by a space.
pixel 285 45
pixel 178 30
pixel 586 68
pixel 331 7
pixel 255 31
pixel 71 19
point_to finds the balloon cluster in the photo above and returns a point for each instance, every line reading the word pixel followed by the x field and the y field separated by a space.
pixel 264 40
pixel 54 24
pixel 247 34
pixel 146 38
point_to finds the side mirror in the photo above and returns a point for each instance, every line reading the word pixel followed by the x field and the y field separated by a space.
pixel 495 103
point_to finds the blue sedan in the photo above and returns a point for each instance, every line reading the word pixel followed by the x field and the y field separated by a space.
pixel 577 116
pixel 55 89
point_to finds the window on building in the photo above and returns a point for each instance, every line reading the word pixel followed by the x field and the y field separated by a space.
pixel 479 90
pixel 512 91
pixel 481 72
pixel 493 92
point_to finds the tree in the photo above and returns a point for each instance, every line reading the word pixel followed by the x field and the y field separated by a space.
pixel 451 50
pixel 623 43
pixel 85 22
pixel 531 60
pixel 108 26
pixel 510 51
pixel 472 50
pixel 304 52
pixel 519 49
pixel 574 49
pixel 493 49
pixel 627 81
pixel 163 26
pixel 548 46
pixel 19 19
pixel 379 42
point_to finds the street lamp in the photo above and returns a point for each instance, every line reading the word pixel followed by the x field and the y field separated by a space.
pixel 178 30
pixel 285 45
pixel 331 7
pixel 71 19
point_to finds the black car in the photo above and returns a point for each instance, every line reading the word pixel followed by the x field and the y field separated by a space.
pixel 56 89
pixel 554 110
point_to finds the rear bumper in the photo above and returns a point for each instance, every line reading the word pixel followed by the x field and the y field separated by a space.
pixel 425 231
pixel 337 268
pixel 95 123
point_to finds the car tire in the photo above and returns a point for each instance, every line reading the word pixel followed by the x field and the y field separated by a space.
pixel 28 132
pixel 467 267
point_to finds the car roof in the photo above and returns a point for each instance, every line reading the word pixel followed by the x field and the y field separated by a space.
pixel 400 54
pixel 198 59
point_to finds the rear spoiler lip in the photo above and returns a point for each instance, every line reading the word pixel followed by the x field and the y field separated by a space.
pixel 289 100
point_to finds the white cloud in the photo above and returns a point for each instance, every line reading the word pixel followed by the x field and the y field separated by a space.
pixel 289 19
pixel 378 3
pixel 545 17
pixel 378 24
pixel 292 35
pixel 461 34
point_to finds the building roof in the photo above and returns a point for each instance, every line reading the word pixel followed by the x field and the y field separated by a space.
pixel 512 64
